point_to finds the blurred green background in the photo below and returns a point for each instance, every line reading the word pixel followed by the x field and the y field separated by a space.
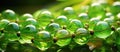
pixel 24 6
pixel 30 6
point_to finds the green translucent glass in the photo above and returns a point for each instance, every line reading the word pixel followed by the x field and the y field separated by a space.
pixel 12 27
pixel 43 40
pixel 24 17
pixel 63 42
pixel 108 14
pixel 52 28
pixel 93 22
pixel 63 37
pixel 96 8
pixel 102 30
pixel 118 36
pixel 69 12
pixel 44 18
pixel 9 14
pixel 27 33
pixel 109 20
pixel 62 20
pixel 82 36
pixel 115 8
pixel 83 17
pixel 10 31
pixel 74 25
pixel 3 23
pixel 30 21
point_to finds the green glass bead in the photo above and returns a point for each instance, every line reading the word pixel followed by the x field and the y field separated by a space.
pixel 74 25
pixel 3 23
pixel 9 14
pixel 52 28
pixel 44 18
pixel 83 17
pixel 10 31
pixel 115 8
pixel 62 20
pixel 96 8
pixel 93 22
pixel 43 40
pixel 24 17
pixel 109 20
pixel 12 27
pixel 46 14
pixel 82 36
pixel 27 33
pixel 108 15
pixel 63 37
pixel 69 12
pixel 102 30
pixel 30 21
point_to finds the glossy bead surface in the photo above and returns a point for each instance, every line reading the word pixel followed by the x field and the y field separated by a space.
pixel 52 28
pixel 63 37
pixel 44 18
pixel 96 8
pixel 102 30
pixel 93 22
pixel 82 36
pixel 27 33
pixel 62 20
pixel 9 14
pixel 83 17
pixel 43 40
pixel 115 8
pixel 74 24
pixel 12 27
pixel 69 12
pixel 3 23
